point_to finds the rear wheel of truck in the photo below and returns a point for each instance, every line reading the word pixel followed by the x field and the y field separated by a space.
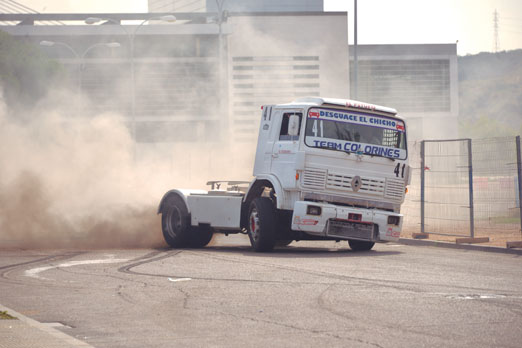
pixel 360 245
pixel 200 236
pixel 175 222
pixel 262 224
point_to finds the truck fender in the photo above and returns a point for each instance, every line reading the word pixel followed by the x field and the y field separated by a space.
pixel 265 181
pixel 255 189
pixel 182 194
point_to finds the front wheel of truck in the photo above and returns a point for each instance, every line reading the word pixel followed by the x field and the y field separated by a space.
pixel 360 245
pixel 262 224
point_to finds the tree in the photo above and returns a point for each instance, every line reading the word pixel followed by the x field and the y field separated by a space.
pixel 26 74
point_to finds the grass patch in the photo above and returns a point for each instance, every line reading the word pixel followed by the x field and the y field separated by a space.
pixel 5 315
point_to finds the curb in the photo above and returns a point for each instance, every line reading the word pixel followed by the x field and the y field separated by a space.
pixel 66 339
pixel 450 245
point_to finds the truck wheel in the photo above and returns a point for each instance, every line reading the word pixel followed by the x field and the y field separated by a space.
pixel 175 222
pixel 200 236
pixel 283 243
pixel 261 224
pixel 360 245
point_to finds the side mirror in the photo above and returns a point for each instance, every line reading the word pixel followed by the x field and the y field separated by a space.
pixel 293 125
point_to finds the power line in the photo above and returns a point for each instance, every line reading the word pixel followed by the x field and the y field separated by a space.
pixel 512 18
pixel 11 6
pixel 496 43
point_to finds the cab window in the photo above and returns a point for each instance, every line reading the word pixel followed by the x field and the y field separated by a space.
pixel 283 134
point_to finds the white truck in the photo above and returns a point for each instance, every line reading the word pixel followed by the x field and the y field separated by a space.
pixel 325 169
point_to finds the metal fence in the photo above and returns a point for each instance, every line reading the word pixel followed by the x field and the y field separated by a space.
pixel 446 187
pixel 466 188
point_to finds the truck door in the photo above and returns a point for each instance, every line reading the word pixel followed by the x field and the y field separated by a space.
pixel 285 150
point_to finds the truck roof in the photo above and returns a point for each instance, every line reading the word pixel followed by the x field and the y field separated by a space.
pixel 345 103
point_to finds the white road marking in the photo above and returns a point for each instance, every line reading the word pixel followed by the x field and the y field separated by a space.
pixel 179 279
pixel 475 296
pixel 35 271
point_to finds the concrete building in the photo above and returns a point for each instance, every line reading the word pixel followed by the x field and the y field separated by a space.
pixel 266 60
pixel 236 5
pixel 275 58
pixel 180 99
pixel 201 84
pixel 420 81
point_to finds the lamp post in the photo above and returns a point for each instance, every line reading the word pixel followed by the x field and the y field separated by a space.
pixel 220 4
pixel 78 56
pixel 355 67
pixel 107 44
pixel 131 36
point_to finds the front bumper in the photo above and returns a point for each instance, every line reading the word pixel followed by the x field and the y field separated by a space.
pixel 334 221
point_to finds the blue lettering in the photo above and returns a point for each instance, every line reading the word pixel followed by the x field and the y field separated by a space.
pixel 335 146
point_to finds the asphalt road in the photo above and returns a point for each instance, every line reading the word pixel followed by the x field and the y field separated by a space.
pixel 306 295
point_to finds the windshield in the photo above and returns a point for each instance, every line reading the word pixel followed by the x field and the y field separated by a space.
pixel 357 132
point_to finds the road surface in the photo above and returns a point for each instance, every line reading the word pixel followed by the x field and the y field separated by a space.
pixel 306 295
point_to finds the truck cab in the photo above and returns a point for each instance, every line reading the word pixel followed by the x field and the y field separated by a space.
pixel 324 169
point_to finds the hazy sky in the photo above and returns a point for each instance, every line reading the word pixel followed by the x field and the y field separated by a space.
pixel 381 21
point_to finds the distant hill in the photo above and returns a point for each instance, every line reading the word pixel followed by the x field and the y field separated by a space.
pixel 490 94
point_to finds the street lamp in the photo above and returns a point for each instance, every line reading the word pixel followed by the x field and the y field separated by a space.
pixel 131 36
pixel 78 56
pixel 106 44
pixel 222 98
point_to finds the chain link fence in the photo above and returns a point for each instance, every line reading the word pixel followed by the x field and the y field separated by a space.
pixel 465 188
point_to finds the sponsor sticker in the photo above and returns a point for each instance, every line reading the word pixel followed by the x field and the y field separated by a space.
pixel 357 118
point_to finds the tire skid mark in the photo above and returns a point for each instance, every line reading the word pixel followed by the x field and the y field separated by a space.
pixel 128 269
pixel 147 259
pixel 56 257
pixel 34 272
pixel 301 329
pixel 343 280
pixel 121 294
pixel 388 283
pixel 70 255
pixel 321 301
pixel 393 327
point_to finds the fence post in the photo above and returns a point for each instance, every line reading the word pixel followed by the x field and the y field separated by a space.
pixel 519 175
pixel 423 166
pixel 470 182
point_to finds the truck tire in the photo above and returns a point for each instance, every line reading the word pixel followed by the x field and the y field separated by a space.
pixel 262 224
pixel 283 242
pixel 175 222
pixel 200 236
pixel 360 245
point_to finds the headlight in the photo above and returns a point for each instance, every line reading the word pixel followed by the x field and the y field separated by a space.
pixel 313 210
pixel 394 220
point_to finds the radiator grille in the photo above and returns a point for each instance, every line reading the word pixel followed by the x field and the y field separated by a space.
pixel 319 179
pixel 394 189
pixel 372 186
pixel 350 230
pixel 314 179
